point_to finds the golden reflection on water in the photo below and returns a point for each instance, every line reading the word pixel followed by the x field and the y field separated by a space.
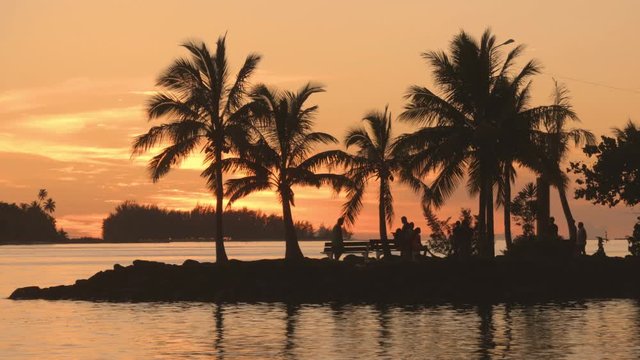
pixel 39 329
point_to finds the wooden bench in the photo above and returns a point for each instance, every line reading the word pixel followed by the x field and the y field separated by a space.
pixel 376 245
pixel 349 247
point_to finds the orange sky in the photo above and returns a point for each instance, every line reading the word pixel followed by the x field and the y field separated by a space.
pixel 75 76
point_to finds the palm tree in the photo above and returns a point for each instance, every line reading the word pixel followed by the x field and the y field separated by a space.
pixel 482 124
pixel 461 127
pixel 42 194
pixel 204 111
pixel 554 143
pixel 374 159
pixel 50 206
pixel 517 130
pixel 280 158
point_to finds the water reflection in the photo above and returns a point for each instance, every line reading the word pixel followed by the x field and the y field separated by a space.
pixel 590 329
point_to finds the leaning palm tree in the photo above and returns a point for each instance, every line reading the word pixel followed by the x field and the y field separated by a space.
pixel 281 156
pixel 554 141
pixel 374 159
pixel 203 110
pixel 50 206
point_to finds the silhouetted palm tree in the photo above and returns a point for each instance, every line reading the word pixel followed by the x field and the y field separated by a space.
pixel 481 124
pixel 203 111
pixel 280 158
pixel 517 129
pixel 461 127
pixel 50 206
pixel 554 141
pixel 42 194
pixel 374 159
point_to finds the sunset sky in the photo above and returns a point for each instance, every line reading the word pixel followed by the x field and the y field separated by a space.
pixel 75 75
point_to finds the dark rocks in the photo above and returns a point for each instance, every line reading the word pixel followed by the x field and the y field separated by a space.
pixel 313 281
pixel 29 292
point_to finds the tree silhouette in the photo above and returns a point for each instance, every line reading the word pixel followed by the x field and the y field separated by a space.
pixel 280 158
pixel 374 159
pixel 204 111
pixel 524 209
pixel 42 194
pixel 49 206
pixel 614 176
pixel 554 143
pixel 461 126
pixel 481 124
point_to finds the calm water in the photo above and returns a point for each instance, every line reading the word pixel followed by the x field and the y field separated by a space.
pixel 592 329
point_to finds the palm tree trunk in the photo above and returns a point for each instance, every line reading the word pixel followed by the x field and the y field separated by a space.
pixel 490 231
pixel 571 222
pixel 383 220
pixel 482 220
pixel 221 254
pixel 542 208
pixel 292 248
pixel 507 208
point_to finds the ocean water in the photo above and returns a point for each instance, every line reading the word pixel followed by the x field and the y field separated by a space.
pixel 38 329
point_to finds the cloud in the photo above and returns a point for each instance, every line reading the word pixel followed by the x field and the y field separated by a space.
pixel 75 122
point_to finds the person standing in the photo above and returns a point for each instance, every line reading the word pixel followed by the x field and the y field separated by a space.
pixel 581 243
pixel 337 242
pixel 553 229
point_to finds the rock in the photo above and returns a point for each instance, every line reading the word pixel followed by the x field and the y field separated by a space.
pixel 190 262
pixel 118 267
pixel 29 292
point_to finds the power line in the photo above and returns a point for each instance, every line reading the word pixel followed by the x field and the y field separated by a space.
pixel 634 91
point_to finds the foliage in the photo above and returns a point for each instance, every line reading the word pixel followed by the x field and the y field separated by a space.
pixel 634 240
pixel 29 222
pixel 615 175
pixel 439 241
pixel 523 209
pixel 133 222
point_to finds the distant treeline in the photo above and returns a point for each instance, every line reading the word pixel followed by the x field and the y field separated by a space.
pixel 27 223
pixel 133 222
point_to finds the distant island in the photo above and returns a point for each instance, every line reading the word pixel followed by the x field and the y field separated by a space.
pixel 135 223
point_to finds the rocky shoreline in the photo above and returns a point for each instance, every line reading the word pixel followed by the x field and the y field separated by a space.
pixel 318 281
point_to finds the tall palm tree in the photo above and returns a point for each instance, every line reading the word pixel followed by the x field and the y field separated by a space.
pixel 481 124
pixel 50 206
pixel 460 130
pixel 281 156
pixel 554 141
pixel 204 110
pixel 517 130
pixel 374 159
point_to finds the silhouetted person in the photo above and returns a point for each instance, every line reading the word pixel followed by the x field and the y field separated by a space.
pixel 581 240
pixel 337 242
pixel 456 237
pixel 416 244
pixel 553 229
pixel 406 238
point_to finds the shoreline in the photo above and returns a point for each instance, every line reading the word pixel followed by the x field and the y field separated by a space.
pixel 352 281
pixel 98 242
